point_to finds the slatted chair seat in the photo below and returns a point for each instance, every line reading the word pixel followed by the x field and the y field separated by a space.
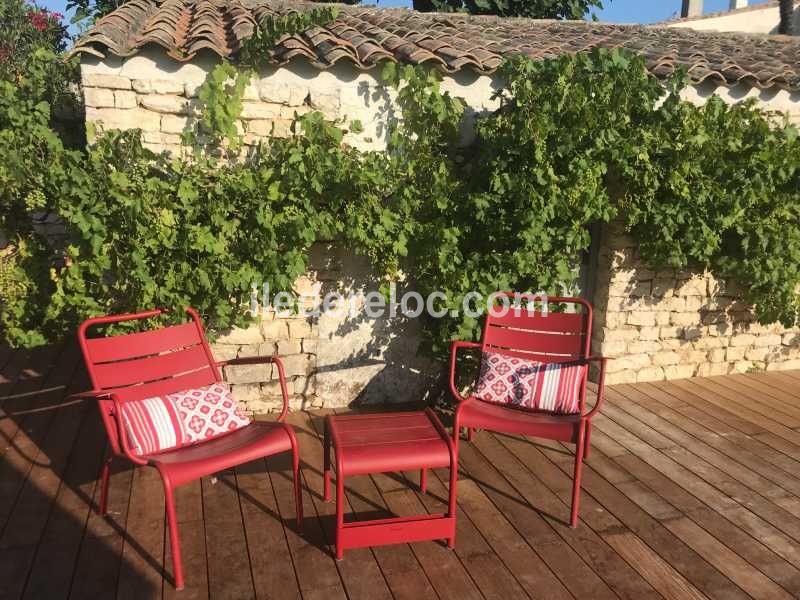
pixel 150 374
pixel 183 465
pixel 545 341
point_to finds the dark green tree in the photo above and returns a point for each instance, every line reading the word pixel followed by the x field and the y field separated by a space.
pixel 534 9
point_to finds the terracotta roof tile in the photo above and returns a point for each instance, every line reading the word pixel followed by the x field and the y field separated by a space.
pixel 366 35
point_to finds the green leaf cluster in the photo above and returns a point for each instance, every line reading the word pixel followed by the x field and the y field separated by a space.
pixel 576 140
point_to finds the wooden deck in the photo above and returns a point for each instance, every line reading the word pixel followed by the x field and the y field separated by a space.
pixel 692 490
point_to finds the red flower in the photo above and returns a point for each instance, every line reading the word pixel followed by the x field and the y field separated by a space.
pixel 42 20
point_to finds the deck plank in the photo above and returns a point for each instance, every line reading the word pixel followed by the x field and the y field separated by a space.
pixel 692 490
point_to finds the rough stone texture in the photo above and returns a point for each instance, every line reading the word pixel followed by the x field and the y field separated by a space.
pixel 333 359
pixel 672 324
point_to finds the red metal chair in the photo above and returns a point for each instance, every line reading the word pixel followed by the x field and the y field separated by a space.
pixel 171 359
pixel 558 337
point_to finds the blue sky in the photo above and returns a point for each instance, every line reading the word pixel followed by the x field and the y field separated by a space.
pixel 615 11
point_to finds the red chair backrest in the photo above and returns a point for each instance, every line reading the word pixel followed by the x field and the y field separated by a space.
pixel 146 364
pixel 539 334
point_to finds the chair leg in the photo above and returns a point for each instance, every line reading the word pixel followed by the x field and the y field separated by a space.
pixel 326 463
pixel 174 541
pixel 586 442
pixel 423 480
pixel 298 491
pixel 576 482
pixel 470 434
pixel 104 486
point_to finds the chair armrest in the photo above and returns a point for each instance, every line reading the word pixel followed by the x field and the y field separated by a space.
pixel 453 354
pixel 90 395
pixel 256 360
pixel 601 391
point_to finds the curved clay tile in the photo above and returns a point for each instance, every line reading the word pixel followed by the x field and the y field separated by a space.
pixel 367 35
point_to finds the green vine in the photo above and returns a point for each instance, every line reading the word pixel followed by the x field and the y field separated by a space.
pixel 576 140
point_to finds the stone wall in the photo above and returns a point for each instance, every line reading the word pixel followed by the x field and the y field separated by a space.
pixel 158 95
pixel 334 358
pixel 672 324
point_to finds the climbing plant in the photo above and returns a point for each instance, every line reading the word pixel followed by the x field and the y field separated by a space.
pixel 575 140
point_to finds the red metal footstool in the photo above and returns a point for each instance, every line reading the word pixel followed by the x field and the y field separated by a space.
pixel 380 443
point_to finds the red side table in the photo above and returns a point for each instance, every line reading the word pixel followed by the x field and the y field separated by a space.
pixel 379 443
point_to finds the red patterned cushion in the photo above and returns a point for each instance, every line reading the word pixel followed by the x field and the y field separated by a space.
pixel 181 419
pixel 553 387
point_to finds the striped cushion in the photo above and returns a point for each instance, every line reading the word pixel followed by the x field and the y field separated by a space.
pixel 552 387
pixel 181 419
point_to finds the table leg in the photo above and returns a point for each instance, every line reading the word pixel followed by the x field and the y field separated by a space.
pixel 327 462
pixel 339 512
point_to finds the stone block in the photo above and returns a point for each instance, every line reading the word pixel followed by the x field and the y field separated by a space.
pixel 666 333
pixel 707 343
pixel 310 345
pixel 613 348
pixel 124 99
pixel 167 86
pixel 260 110
pixel 248 373
pixel 165 104
pixel 305 385
pixel 791 339
pixel 101 80
pixel 685 318
pixel 713 317
pixel 717 355
pixel 98 97
pixel 662 318
pixel 246 393
pixel 694 357
pixel 291 346
pixel 621 377
pixel 297 364
pixel 631 361
pixel 666 358
pixel 224 352
pixel 273 388
pixel 650 374
pixel 142 86
pixel 299 328
pixel 275 93
pixel 695 286
pixel 276 329
pixel 664 288
pixel 241 336
pixel 191 89
pixel 679 371
pixel 772 340
pixel 735 353
pixel 158 137
pixel 742 366
pixel 712 369
pixel 174 124
pixel 673 304
pixel 135 118
pixel 643 347
pixel 694 333
pixel 758 354
pixel 649 333
pixel 785 365
pixel 613 335
pixel 743 339
pixel 647 319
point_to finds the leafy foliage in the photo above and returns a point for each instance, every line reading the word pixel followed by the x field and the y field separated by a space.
pixel 576 140
pixel 534 9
